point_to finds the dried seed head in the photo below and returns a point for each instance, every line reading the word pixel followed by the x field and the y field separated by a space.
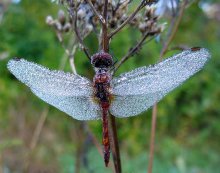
pixel 142 27
pixel 95 20
pixel 88 28
pixel 66 27
pixel 113 23
pixel 49 20
pixel 61 17
pixel 81 13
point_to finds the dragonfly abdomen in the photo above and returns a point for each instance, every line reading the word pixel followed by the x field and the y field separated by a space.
pixel 105 133
pixel 102 86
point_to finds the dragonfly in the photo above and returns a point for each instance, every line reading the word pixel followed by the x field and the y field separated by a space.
pixel 127 95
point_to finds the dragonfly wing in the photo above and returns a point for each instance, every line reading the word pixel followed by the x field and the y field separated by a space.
pixel 68 92
pixel 126 106
pixel 80 108
pixel 139 89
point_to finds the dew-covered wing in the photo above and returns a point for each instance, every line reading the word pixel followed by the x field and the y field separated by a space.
pixel 70 93
pixel 139 89
pixel 80 107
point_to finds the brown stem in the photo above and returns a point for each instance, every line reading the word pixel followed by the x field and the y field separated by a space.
pixel 152 138
pixel 112 126
pixel 70 51
pixel 35 138
pixel 114 145
pixel 39 128
pixel 172 31
pixel 105 40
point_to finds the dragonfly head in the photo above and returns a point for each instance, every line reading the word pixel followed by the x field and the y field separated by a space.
pixel 102 60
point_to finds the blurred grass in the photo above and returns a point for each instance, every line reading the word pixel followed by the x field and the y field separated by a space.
pixel 188 128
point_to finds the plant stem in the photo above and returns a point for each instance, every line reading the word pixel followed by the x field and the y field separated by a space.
pixel 39 128
pixel 115 146
pixel 35 138
pixel 152 138
pixel 84 48
pixel 112 124
pixel 105 40
pixel 172 31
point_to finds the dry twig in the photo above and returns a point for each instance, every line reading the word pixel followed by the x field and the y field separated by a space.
pixel 84 48
pixel 130 18
pixel 112 125
pixel 102 20
pixel 172 31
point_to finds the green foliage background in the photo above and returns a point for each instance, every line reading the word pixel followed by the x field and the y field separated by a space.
pixel 188 128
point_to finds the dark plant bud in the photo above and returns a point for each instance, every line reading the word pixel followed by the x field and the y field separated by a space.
pixel 95 20
pixel 49 20
pixel 81 14
pixel 61 17
pixel 113 23
pixel 88 28
pixel 66 27
pixel 150 23
pixel 142 27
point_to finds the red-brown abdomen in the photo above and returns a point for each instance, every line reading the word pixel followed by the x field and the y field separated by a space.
pixel 102 87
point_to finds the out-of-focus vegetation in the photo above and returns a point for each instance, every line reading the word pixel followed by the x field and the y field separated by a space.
pixel 188 127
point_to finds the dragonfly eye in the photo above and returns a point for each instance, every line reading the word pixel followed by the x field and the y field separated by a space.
pixel 102 60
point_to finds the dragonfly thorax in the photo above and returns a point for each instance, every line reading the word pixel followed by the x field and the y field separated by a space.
pixel 101 82
pixel 102 60
pixel 102 76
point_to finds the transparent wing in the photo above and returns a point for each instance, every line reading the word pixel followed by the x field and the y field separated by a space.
pixel 70 93
pixel 139 89
pixel 80 108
